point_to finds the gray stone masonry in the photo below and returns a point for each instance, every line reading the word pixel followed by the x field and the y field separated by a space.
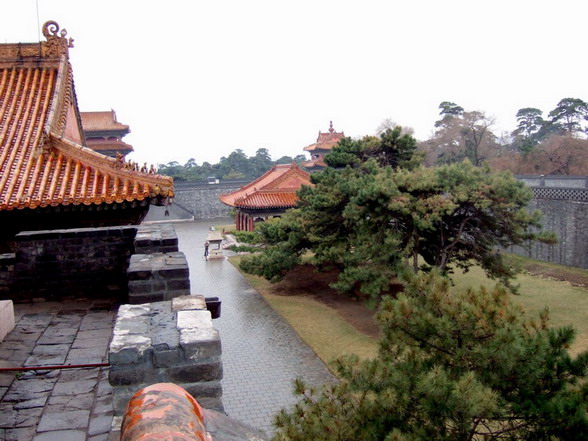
pixel 157 277
pixel 72 262
pixel 6 273
pixel 171 341
pixel 156 238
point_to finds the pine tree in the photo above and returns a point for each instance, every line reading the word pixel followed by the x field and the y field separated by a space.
pixel 452 366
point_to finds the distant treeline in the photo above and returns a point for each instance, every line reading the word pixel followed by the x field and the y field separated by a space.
pixel 235 166
pixel 555 144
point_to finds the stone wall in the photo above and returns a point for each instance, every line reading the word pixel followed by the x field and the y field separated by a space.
pixel 7 261
pixel 74 262
pixel 568 219
pixel 202 200
pixel 157 277
pixel 86 262
pixel 172 341
pixel 564 203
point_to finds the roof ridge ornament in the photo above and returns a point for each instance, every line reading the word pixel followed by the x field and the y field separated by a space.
pixel 57 44
pixel 331 129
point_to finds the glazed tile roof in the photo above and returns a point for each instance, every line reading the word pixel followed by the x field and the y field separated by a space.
pixel 102 121
pixel 275 189
pixel 43 160
pixel 326 141
pixel 114 145
pixel 314 163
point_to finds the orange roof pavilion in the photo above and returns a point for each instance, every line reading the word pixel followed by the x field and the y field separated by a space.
pixel 268 196
pixel 104 133
pixel 44 161
pixel 323 145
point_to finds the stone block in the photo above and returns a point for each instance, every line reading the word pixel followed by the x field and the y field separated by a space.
pixel 200 344
pixel 182 284
pixel 119 375
pixel 137 299
pixel 6 318
pixel 146 286
pixel 166 358
pixel 170 295
pixel 199 389
pixel 211 403
pixel 195 372
pixel 194 319
pixel 188 302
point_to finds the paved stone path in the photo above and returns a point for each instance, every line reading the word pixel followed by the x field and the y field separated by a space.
pixel 262 355
pixel 57 405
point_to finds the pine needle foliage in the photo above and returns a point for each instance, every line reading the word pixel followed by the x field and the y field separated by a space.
pixel 451 366
pixel 375 209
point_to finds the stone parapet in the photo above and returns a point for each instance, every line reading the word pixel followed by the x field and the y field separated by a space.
pixel 72 262
pixel 7 261
pixel 157 277
pixel 156 238
pixel 170 341
pixel 6 318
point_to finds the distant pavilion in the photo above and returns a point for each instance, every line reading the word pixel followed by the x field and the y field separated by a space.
pixel 267 197
pixel 323 145
pixel 104 133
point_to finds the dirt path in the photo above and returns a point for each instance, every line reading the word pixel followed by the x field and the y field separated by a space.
pixel 576 278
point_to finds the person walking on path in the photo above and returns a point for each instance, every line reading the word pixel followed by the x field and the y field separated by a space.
pixel 206 250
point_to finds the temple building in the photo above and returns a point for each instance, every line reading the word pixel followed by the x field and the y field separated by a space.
pixel 49 178
pixel 268 196
pixel 104 133
pixel 323 145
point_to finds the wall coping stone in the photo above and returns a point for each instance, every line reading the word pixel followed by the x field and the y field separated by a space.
pixel 166 341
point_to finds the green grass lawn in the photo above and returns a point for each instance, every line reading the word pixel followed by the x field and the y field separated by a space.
pixel 330 336
pixel 567 304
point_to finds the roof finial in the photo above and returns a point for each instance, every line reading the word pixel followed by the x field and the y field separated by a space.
pixel 57 41
pixel 331 129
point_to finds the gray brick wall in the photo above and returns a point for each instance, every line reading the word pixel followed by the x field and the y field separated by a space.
pixel 203 200
pixel 7 261
pixel 73 262
pixel 568 219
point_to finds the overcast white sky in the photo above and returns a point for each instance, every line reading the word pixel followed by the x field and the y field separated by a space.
pixel 198 79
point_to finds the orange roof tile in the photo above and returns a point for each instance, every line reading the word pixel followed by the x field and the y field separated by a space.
pixel 102 121
pixel 314 163
pixel 267 199
pixel 109 145
pixel 326 141
pixel 42 158
pixel 275 189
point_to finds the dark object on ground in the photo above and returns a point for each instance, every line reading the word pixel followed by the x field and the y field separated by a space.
pixel 213 304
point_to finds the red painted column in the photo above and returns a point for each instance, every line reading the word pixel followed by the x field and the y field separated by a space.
pixel 251 225
pixel 163 411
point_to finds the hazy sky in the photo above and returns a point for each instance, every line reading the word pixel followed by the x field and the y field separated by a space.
pixel 198 79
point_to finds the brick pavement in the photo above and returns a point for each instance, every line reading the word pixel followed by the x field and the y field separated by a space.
pixel 57 405
pixel 262 354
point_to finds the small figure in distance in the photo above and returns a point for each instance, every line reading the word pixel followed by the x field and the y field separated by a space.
pixel 206 250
